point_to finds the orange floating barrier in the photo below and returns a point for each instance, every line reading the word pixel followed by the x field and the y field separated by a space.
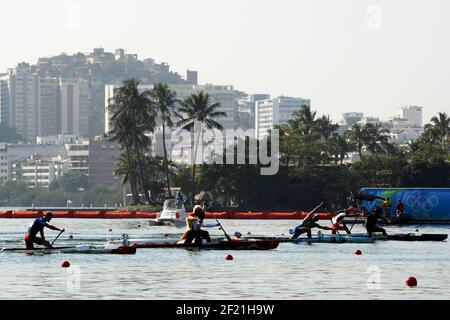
pixel 88 215
pixel 145 215
pixel 120 215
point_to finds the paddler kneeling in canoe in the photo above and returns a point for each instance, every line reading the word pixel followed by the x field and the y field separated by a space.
pixel 38 227
pixel 337 223
pixel 371 222
pixel 194 224
pixel 310 222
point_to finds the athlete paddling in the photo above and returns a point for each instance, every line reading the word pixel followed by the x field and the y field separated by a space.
pixel 337 223
pixel 371 222
pixel 38 227
pixel 309 223
pixel 194 224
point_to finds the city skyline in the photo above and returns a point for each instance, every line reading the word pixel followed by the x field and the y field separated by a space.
pixel 368 61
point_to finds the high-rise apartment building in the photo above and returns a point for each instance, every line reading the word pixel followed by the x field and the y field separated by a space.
pixel 24 99
pixel 75 107
pixel 272 112
pixel 4 100
pixel 49 122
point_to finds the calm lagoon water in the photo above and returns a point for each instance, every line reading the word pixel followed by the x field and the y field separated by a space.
pixel 317 271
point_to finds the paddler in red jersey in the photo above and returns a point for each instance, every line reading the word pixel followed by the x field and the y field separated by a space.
pixel 194 224
pixel 337 223
pixel 38 227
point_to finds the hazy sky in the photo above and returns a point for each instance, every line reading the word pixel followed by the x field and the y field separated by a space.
pixel 345 55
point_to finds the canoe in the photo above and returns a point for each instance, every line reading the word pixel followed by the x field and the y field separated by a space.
pixel 406 219
pixel 318 239
pixel 413 237
pixel 77 249
pixel 215 245
pixel 361 238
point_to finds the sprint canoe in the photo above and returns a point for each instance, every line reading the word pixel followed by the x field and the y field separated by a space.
pixel 77 249
pixel 215 245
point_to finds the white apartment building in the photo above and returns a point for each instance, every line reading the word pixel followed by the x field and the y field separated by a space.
pixel 407 126
pixel 58 140
pixel 75 107
pixel 3 163
pixel 24 99
pixel 78 154
pixel 37 172
pixel 412 114
pixel 225 95
pixel 22 152
pixel 272 112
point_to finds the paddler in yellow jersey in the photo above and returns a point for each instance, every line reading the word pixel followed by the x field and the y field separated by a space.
pixel 194 224
pixel 307 224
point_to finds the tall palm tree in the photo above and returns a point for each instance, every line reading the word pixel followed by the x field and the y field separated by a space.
pixel 132 117
pixel 325 127
pixel 440 127
pixel 339 148
pixel 357 136
pixel 377 139
pixel 165 102
pixel 304 120
pixel 198 108
pixel 126 168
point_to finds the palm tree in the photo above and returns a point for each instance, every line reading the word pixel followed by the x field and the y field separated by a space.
pixel 440 127
pixel 126 168
pixel 132 117
pixel 304 120
pixel 357 136
pixel 325 127
pixel 197 108
pixel 339 147
pixel 377 139
pixel 164 101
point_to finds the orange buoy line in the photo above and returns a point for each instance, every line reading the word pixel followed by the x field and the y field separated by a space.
pixel 70 214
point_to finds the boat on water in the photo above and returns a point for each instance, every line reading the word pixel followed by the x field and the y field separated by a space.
pixel 358 238
pixel 214 245
pixel 81 249
pixel 173 214
pixel 405 219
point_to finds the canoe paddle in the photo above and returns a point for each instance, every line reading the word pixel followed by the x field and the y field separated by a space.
pixel 221 227
pixel 57 237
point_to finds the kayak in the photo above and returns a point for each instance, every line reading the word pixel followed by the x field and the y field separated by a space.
pixel 215 245
pixel 77 249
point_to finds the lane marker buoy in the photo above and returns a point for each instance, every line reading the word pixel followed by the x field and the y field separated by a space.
pixel 411 282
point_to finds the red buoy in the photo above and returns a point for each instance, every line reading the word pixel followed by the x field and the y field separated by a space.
pixel 358 252
pixel 229 257
pixel 411 282
pixel 65 264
